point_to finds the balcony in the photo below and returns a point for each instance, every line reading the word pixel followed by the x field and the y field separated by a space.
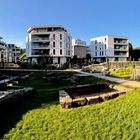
pixel 120 54
pixel 41 39
pixel 2 47
pixel 49 29
pixel 120 42
pixel 41 47
pixel 15 52
pixel 120 49
pixel 40 53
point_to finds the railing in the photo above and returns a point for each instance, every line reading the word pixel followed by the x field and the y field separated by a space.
pixel 40 55
pixel 56 30
pixel 122 42
pixel 120 49
pixel 41 39
pixel 120 55
pixel 2 47
pixel 42 47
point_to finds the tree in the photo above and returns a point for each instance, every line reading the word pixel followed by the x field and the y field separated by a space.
pixel 130 51
pixel 88 57
pixel 75 59
pixel 136 54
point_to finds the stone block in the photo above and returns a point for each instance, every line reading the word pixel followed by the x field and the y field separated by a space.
pixel 79 102
pixel 66 102
pixel 93 100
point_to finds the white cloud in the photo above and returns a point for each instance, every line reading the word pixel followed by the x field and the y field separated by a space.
pixel 20 44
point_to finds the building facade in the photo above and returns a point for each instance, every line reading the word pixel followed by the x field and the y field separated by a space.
pixel 80 49
pixel 109 48
pixel 49 44
pixel 12 53
pixel 9 52
pixel 2 51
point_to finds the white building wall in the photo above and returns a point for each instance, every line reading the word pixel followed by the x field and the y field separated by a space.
pixel 110 46
pixel 103 46
pixel 66 47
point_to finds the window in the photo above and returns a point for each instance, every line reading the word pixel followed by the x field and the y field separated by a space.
pixel 49 29
pixel 95 41
pixel 60 36
pixel 60 44
pixel 100 53
pixel 95 47
pixel 53 44
pixel 60 51
pixel 53 36
pixel 95 53
pixel 105 46
pixel 105 39
pixel 68 52
pixel 54 51
pixel 58 60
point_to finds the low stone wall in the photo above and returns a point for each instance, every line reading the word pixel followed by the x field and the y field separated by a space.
pixel 68 101
pixel 13 97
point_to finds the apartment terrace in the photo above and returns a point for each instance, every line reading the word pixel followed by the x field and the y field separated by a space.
pixel 44 29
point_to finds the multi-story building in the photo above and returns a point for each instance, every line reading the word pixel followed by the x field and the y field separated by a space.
pixel 12 53
pixel 9 52
pixel 2 51
pixel 111 48
pixel 45 42
pixel 80 49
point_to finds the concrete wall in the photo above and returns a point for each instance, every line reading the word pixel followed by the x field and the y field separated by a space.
pixel 80 51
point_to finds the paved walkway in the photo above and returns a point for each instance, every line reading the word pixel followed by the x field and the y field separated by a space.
pixel 135 84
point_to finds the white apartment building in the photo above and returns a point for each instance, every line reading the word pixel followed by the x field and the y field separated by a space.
pixel 111 48
pixel 9 52
pixel 45 42
pixel 12 53
pixel 79 48
pixel 2 51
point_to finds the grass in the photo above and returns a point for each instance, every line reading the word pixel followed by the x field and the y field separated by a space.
pixel 121 73
pixel 41 117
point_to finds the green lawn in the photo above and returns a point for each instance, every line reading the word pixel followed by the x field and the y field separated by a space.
pixel 41 117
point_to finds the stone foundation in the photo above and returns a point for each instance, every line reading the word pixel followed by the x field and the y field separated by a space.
pixel 82 95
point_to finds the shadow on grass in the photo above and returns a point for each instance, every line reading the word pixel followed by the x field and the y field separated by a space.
pixel 11 115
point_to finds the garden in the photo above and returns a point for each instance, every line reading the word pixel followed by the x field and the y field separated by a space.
pixel 41 117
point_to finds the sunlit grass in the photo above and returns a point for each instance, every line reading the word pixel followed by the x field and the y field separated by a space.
pixel 121 72
pixel 114 119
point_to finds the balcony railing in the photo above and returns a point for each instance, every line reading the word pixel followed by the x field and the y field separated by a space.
pixel 44 31
pixel 2 47
pixel 40 55
pixel 41 47
pixel 120 42
pixel 120 49
pixel 121 55
pixel 41 39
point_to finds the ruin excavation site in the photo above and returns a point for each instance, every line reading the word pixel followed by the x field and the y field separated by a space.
pixel 82 95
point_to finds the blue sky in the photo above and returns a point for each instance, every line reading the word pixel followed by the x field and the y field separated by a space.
pixel 84 19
